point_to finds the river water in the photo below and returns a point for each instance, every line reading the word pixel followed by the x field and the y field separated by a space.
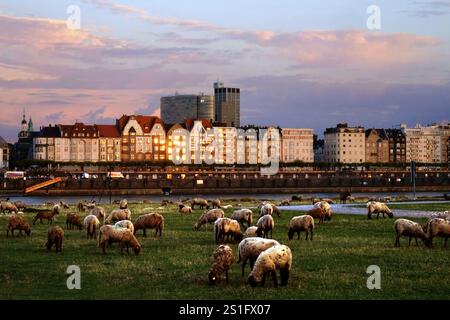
pixel 31 200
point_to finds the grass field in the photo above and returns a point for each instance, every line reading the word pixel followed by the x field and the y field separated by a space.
pixel 333 266
pixel 439 207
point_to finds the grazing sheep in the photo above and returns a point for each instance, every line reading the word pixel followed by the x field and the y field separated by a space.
pixel 225 227
pixel 125 224
pixel 123 204
pixel 64 205
pixel 208 217
pixel 47 214
pixel 20 205
pixel 117 215
pixel 109 234
pixel 202 203
pixel 299 224
pixel 285 202
pixel 438 228
pixel 344 196
pixel 325 206
pixel 441 215
pixel 91 223
pixel 81 206
pixel 100 213
pixel 150 221
pixel 243 216
pixel 8 206
pixel 216 204
pixel 378 207
pixel 276 211
pixel 228 206
pixel 250 232
pixel 278 257
pixel 330 201
pixel 223 259
pixel 184 209
pixel 408 228
pixel 18 222
pixel 55 237
pixel 250 248
pixel 317 213
pixel 266 209
pixel 265 225
pixel 314 200
pixel 73 220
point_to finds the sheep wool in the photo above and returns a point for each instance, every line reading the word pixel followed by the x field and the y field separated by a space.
pixel 92 224
pixel 250 249
pixel 301 223
pixel 18 222
pixel 55 236
pixel 408 228
pixel 223 259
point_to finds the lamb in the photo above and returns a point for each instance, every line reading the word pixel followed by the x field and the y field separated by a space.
pixel 184 209
pixel 117 215
pixel 266 209
pixel 109 234
pixel 250 232
pixel 265 225
pixel 299 224
pixel 317 213
pixel 100 213
pixel 202 203
pixel 123 204
pixel 216 204
pixel 91 223
pixel 278 257
pixel 408 228
pixel 125 224
pixel 378 207
pixel 150 221
pixel 47 214
pixel 18 222
pixel 73 220
pixel 55 237
pixel 325 206
pixel 8 206
pixel 208 217
pixel 223 259
pixel 225 227
pixel 250 248
pixel 438 228
pixel 243 216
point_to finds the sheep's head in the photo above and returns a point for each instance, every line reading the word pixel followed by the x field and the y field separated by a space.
pixel 213 278
pixel 390 214
pixel 196 226
pixel 137 249
pixel 28 231
pixel 290 234
pixel 252 281
pixel 239 237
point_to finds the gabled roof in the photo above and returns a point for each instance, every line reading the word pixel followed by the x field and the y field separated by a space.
pixel 3 142
pixel 50 132
pixel 146 122
pixel 108 131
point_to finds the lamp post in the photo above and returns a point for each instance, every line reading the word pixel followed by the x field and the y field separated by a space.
pixel 413 178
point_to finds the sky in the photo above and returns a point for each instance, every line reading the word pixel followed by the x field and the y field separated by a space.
pixel 304 63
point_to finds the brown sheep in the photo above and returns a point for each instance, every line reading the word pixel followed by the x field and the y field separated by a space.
pixel 374 207
pixel 216 204
pixel 20 205
pixel 8 206
pixel 55 237
pixel 18 222
pixel 317 213
pixel 109 234
pixel 91 223
pixel 184 209
pixel 123 204
pixel 229 228
pixel 150 221
pixel 47 215
pixel 325 207
pixel 202 203
pixel 118 215
pixel 73 220
pixel 265 225
pixel 223 259
pixel 243 216
pixel 208 217
pixel 100 213
pixel 299 224
pixel 404 227
pixel 438 228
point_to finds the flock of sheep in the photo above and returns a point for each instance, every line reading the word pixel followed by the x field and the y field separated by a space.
pixel 265 255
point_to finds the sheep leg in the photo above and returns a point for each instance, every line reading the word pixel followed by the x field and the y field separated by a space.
pixel 445 243
pixel 274 278
pixel 397 241
pixel 410 238
pixel 417 244
pixel 306 235
pixel 284 275
pixel 145 232
pixel 103 245
pixel 263 281
pixel 243 266
pixel 311 236
pixel 226 275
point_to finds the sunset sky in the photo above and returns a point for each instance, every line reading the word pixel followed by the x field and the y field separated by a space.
pixel 298 63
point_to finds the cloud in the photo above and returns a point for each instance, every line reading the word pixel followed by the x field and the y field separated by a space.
pixel 425 9
pixel 54 117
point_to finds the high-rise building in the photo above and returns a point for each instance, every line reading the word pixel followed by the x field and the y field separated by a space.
pixel 178 108
pixel 227 105
pixel 397 145
pixel 345 144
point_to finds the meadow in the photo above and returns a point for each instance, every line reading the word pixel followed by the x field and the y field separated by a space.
pixel 333 266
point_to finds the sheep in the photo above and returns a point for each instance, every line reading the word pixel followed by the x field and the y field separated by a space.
pixel 125 224
pixel 378 207
pixel 265 225
pixel 64 205
pixel 228 206
pixel 117 215
pixel 266 209
pixel 299 224
pixel 229 228
pixel 8 206
pixel 150 221
pixel 81 206
pixel 277 211
pixel 223 259
pixel 100 213
pixel 408 228
pixel 285 202
pixel 330 201
pixel 91 223
pixel 18 222
pixel 20 205
pixel 216 204
pixel 208 217
pixel 314 200
pixel 250 248
pixel 90 206
pixel 184 209
pixel 47 214
pixel 202 203
pixel 109 234
pixel 278 257
pixel 438 228
pixel 73 220
pixel 123 204
pixel 250 232
pixel 55 236
pixel 441 215
pixel 243 216
pixel 317 213
pixel 325 206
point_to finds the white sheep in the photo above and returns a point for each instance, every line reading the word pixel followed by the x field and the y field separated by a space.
pixel 92 224
pixel 250 232
pixel 266 209
pixel 438 228
pixel 265 225
pixel 118 214
pixel 223 259
pixel 243 216
pixel 325 206
pixel 225 227
pixel 278 257
pixel 299 224
pixel 250 248
pixel 208 217
pixel 408 228
pixel 127 224
pixel 109 234
pixel 378 207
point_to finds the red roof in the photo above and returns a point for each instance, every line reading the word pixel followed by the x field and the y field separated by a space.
pixel 108 131
pixel 146 122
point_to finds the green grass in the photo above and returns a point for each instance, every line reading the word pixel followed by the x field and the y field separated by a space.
pixel 416 206
pixel 333 266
